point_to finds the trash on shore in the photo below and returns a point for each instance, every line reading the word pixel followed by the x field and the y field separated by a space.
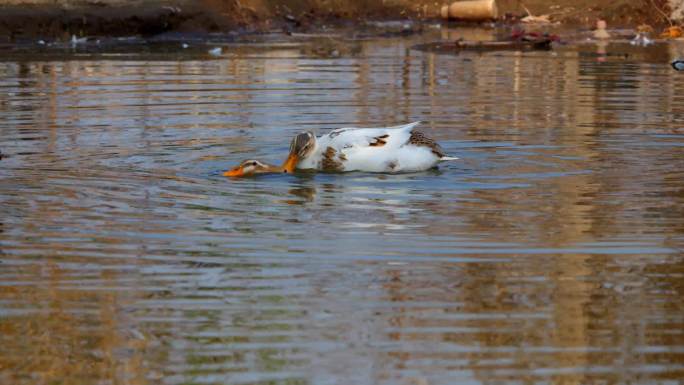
pixel 184 45
pixel 481 46
pixel 75 40
pixel 83 40
pixel 645 28
pixel 216 51
pixel 533 19
pixel 641 39
pixel 392 28
pixel 600 31
pixel 520 35
pixel 472 10
pixel 519 40
pixel 541 19
pixel 678 65
pixel 672 32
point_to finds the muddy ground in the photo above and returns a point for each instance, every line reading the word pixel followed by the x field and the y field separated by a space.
pixel 27 19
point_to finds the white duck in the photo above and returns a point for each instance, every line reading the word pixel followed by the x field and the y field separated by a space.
pixel 387 149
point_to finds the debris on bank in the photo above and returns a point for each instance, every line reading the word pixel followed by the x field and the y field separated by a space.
pixel 600 31
pixel 519 40
pixel 471 10
pixel 51 20
pixel 672 32
pixel 216 51
pixel 481 46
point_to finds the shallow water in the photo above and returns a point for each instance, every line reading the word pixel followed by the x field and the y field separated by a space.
pixel 552 252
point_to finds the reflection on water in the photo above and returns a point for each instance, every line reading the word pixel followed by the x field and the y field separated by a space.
pixel 552 253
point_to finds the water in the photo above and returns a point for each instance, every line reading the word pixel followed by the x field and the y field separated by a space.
pixel 551 253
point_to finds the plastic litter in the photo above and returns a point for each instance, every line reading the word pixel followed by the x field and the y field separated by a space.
pixel 473 10
pixel 216 51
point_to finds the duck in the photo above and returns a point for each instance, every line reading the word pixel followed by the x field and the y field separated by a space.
pixel 251 167
pixel 397 149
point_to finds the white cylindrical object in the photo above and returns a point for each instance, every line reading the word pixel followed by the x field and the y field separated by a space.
pixel 474 10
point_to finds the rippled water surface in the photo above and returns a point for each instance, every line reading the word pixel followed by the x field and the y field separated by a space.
pixel 552 252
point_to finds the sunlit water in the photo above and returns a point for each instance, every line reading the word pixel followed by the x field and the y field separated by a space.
pixel 552 252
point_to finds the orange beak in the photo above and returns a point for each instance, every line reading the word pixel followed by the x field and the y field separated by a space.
pixel 290 163
pixel 234 173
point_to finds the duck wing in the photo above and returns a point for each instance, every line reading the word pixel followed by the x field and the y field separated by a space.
pixel 387 138
pixel 353 137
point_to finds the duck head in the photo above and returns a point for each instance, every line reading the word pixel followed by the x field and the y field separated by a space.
pixel 251 167
pixel 301 146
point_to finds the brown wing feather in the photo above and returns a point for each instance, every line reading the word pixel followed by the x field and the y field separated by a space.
pixel 329 163
pixel 419 139
pixel 379 141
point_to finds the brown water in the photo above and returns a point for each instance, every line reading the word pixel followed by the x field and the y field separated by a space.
pixel 553 252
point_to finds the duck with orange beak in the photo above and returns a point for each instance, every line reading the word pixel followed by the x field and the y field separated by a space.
pixel 385 150
pixel 251 167
pixel 301 147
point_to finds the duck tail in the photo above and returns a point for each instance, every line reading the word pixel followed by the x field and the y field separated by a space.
pixel 406 127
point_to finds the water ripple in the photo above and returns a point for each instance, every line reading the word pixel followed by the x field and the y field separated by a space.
pixel 553 251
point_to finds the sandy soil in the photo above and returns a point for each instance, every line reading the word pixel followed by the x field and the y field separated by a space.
pixel 62 19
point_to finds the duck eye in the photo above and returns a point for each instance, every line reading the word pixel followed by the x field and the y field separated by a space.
pixel 254 163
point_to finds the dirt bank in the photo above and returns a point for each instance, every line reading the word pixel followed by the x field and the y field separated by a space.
pixel 25 19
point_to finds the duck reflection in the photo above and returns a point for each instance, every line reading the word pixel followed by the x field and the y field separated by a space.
pixel 303 188
pixel 357 201
pixel 307 193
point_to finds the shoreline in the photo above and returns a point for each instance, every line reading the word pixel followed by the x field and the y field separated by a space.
pixel 60 20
